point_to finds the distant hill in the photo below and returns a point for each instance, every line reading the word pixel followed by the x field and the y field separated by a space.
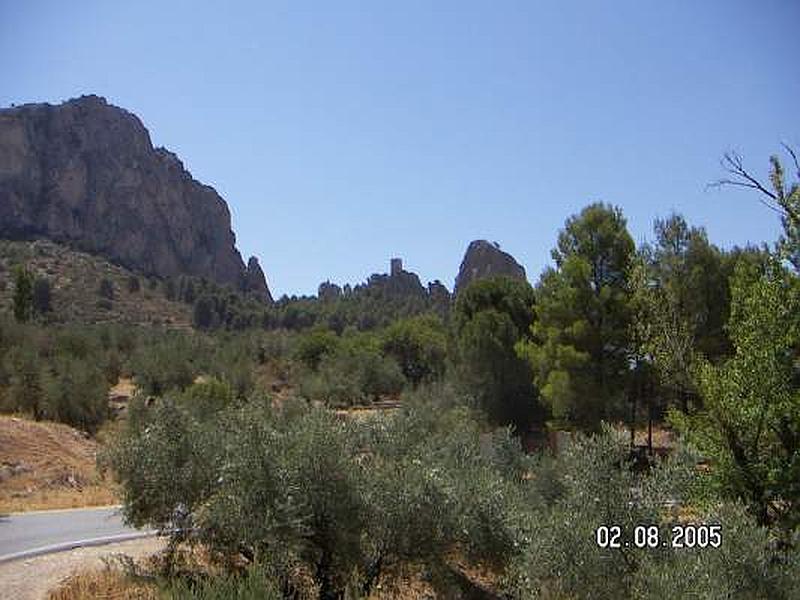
pixel 85 173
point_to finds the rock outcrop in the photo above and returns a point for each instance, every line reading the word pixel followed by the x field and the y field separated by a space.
pixel 255 282
pixel 398 284
pixel 328 292
pixel 85 173
pixel 483 260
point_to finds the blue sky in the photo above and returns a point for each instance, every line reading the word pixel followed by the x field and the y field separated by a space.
pixel 343 133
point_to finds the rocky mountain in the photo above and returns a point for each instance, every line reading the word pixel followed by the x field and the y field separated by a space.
pixel 85 173
pixel 484 259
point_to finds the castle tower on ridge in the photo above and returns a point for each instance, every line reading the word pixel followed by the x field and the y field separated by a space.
pixel 396 266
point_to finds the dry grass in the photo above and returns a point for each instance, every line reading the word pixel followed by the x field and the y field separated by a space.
pixel 46 465
pixel 125 387
pixel 105 584
pixel 92 495
pixel 663 437
pixel 405 581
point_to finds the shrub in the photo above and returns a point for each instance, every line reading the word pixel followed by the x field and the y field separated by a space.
pixel 301 490
pixel 357 372
pixel 315 345
pixel 205 398
pixel 25 379
pixel 254 584
pixel 744 566
pixel 165 363
pixel 77 393
pixel 589 485
pixel 419 345
pixel 298 487
pixel 23 294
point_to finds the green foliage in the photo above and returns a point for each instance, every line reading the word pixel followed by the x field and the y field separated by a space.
pixel 492 316
pixel 25 392
pixel 743 567
pixel 357 372
pixel 166 464
pixel 315 345
pixel 254 584
pixel 168 362
pixel 232 361
pixel 750 425
pixel 77 393
pixel 218 307
pixel 376 304
pixel 278 486
pixel 580 346
pixel 23 294
pixel 591 484
pixel 681 302
pixel 301 487
pixel 419 345
pixel 58 374
pixel 205 398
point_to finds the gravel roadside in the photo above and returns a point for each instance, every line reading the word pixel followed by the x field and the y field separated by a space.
pixel 31 579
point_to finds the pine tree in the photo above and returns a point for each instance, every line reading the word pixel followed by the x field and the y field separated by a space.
pixel 492 316
pixel 580 339
pixel 23 295
pixel 681 304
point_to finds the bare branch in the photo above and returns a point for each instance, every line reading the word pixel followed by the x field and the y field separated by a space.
pixel 777 200
pixel 734 165
pixel 723 182
pixel 791 152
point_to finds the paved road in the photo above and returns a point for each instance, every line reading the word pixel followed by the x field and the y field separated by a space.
pixel 30 534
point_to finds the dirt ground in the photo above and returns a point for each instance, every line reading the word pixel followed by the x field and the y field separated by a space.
pixel 47 465
pixel 32 579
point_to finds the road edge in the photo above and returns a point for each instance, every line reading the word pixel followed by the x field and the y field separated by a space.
pixel 65 546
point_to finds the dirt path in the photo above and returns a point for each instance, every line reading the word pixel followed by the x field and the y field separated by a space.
pixel 32 579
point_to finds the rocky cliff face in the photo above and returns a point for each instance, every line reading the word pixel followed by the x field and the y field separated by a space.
pixel 483 260
pixel 85 173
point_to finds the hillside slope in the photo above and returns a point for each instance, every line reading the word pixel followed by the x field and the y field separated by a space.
pixel 48 465
pixel 75 280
